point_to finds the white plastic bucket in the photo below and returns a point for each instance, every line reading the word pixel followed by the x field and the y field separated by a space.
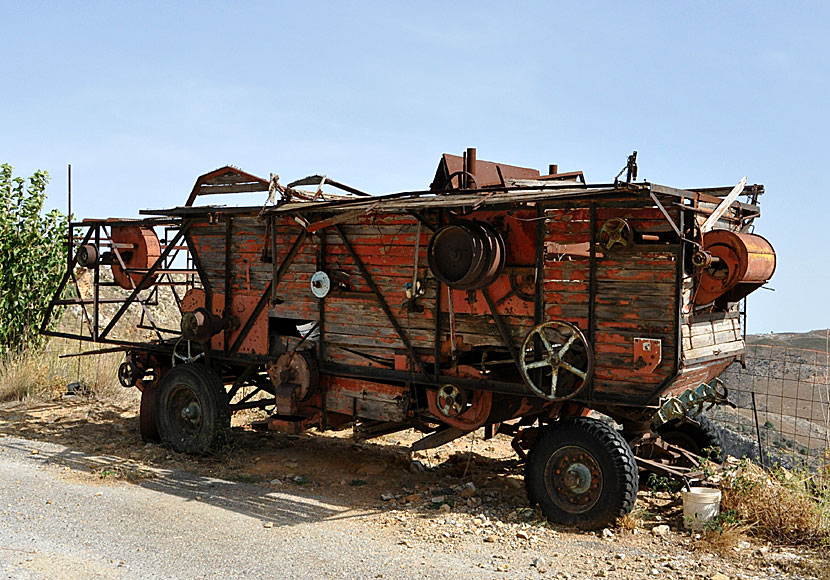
pixel 700 504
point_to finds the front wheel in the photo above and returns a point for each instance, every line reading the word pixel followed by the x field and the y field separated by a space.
pixel 192 410
pixel 581 473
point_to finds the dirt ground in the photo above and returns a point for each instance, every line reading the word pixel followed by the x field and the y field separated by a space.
pixel 467 495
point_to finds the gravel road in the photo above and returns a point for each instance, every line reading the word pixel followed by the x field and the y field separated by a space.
pixel 59 522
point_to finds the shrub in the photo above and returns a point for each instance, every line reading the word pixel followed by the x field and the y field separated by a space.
pixel 32 255
pixel 792 507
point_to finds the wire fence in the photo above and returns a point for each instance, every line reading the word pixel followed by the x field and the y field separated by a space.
pixel 782 400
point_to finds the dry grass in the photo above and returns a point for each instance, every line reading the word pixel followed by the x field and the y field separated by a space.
pixel 629 522
pixel 128 471
pixel 783 506
pixel 39 375
pixel 721 538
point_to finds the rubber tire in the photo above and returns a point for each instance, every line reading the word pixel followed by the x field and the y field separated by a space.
pixel 147 416
pixel 207 389
pixel 693 438
pixel 618 471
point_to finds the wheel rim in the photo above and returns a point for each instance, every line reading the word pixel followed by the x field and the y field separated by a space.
pixel 573 479
pixel 185 411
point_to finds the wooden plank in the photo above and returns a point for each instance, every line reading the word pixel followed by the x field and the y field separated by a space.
pixel 716 338
pixel 607 274
pixel 714 352
pixel 631 288
pixel 708 327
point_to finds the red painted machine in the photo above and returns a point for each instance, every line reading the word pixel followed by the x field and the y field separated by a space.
pixel 500 299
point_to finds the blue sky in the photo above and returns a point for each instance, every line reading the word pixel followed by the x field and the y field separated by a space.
pixel 143 97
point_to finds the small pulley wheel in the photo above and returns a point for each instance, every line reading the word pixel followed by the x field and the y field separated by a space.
pixel 556 360
pixel 616 234
pixel 701 259
pixel 523 286
pixel 451 401
pixel 88 255
pixel 460 174
pixel 127 374
pixel 320 284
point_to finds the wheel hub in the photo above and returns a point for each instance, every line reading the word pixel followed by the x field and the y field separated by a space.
pixel 578 478
pixel 574 479
pixel 192 412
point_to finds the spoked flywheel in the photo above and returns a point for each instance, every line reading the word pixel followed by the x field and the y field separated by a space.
pixel 556 360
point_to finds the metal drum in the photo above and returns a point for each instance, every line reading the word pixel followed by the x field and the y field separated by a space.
pixel 740 263
pixel 139 249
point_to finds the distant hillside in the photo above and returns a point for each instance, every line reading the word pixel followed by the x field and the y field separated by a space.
pixel 815 339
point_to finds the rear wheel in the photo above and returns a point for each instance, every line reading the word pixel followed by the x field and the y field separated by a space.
pixel 192 410
pixel 704 439
pixel 581 473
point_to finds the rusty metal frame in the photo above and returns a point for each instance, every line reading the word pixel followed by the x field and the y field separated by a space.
pixel 147 276
pixel 321 313
pixel 592 292
pixel 266 294
pixel 436 347
pixel 502 327
pixel 367 277
pixel 123 265
pixel 70 271
pixel 93 323
pixel 226 307
pixel 387 375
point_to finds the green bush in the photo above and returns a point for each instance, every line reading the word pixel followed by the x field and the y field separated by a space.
pixel 32 256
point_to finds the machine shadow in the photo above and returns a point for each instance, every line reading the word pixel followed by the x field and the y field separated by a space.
pixel 107 447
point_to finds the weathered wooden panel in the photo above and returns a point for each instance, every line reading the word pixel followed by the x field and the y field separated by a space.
pixel 365 399
pixel 693 375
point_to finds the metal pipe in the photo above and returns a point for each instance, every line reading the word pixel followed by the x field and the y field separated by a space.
pixel 69 215
pixel 758 433
pixel 471 163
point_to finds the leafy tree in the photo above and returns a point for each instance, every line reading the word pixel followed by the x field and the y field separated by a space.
pixel 32 257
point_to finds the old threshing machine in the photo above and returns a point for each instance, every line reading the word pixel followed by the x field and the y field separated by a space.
pixel 534 305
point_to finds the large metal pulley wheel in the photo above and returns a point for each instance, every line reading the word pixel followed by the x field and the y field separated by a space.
pixel 556 360
pixel 138 248
pixel 298 369
pixel 616 234
pixel 467 255
pixel 451 401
